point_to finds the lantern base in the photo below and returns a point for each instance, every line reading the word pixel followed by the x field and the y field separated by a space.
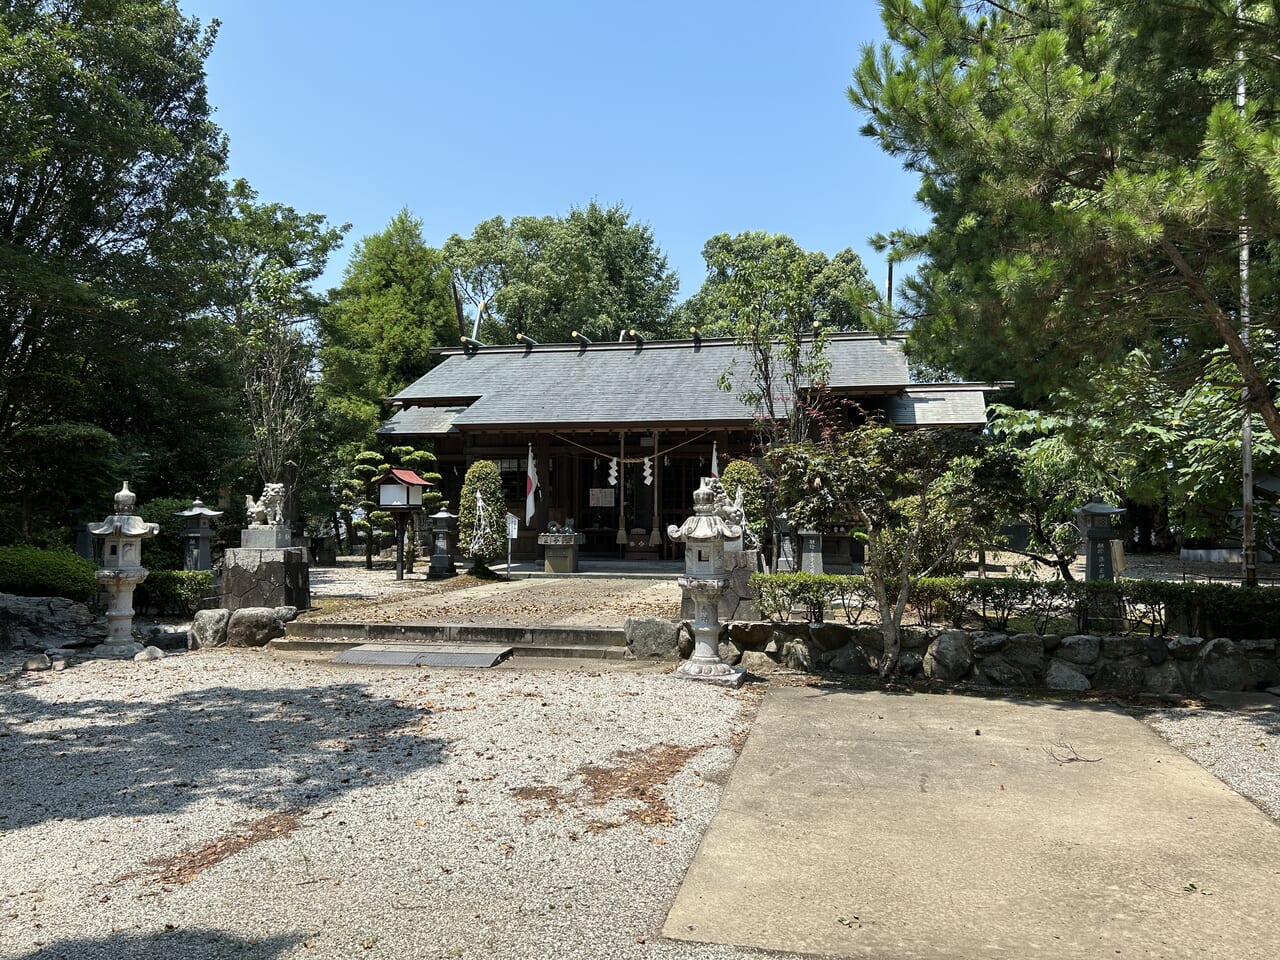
pixel 710 670
pixel 117 651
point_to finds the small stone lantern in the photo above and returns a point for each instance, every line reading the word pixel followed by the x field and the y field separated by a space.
pixel 706 577
pixel 199 536
pixel 400 493
pixel 1095 523
pixel 442 565
pixel 122 570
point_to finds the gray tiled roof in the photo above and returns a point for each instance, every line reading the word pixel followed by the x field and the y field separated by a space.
pixel 609 383
pixel 938 406
pixel 422 421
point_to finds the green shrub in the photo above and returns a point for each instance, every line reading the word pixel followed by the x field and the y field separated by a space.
pixel 996 600
pixel 938 599
pixel 31 572
pixel 173 592
pixel 487 542
pixel 777 594
pixel 773 599
pixel 855 595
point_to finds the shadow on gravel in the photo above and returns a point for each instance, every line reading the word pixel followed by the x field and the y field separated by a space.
pixel 270 748
pixel 188 944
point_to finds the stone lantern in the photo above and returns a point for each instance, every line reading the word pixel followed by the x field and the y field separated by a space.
pixel 706 577
pixel 199 536
pixel 442 558
pixel 400 493
pixel 1095 524
pixel 122 534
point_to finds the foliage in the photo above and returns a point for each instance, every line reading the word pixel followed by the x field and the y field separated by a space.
pixel 745 475
pixel 107 163
pixel 1086 170
pixel 759 291
pixel 164 551
pixel 42 459
pixel 482 526
pixel 394 305
pixel 176 593
pixel 920 496
pixel 593 271
pixel 269 254
pixel 31 572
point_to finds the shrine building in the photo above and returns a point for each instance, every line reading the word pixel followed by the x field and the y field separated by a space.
pixel 622 432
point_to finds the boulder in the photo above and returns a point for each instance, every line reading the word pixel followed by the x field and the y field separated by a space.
pixel 1050 642
pixel 40 661
pixel 208 629
pixel 798 656
pixel 1183 648
pixel 829 636
pixel 730 653
pixel 1259 647
pixel 1266 672
pixel 986 642
pixel 253 627
pixel 910 663
pixel 915 638
pixel 1125 673
pixel 1116 648
pixel 761 664
pixel 149 653
pixel 1063 676
pixel 1221 665
pixel 1155 649
pixel 852 660
pixel 650 638
pixel 287 613
pixel 1000 672
pixel 1082 649
pixel 950 657
pixel 1162 678
pixel 748 635
pixel 1025 650
pixel 869 638
pixel 39 622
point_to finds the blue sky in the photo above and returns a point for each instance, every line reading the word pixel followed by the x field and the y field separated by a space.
pixel 700 116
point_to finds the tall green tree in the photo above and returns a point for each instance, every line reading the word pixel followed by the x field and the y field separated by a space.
pixel 394 305
pixel 1087 168
pixel 594 271
pixel 268 257
pixel 110 170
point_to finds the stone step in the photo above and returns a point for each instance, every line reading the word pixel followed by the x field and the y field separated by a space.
pixel 546 641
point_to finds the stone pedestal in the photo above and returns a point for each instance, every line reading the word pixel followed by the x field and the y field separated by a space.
pixel 265 578
pixel 266 536
pixel 120 585
pixel 705 663
pixel 560 551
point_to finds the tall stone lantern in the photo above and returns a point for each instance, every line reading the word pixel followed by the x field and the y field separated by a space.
pixel 122 534
pixel 442 525
pixel 706 577
pixel 199 534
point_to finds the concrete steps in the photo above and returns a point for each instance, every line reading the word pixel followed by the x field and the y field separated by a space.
pixel 589 643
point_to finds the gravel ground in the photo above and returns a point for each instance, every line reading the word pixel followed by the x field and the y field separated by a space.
pixel 227 804
pixel 1240 749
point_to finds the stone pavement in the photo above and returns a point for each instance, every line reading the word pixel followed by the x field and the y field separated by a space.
pixel 896 826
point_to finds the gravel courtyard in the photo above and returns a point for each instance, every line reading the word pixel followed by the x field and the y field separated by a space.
pixel 227 804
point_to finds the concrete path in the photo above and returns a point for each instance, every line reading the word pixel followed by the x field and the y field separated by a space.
pixel 865 824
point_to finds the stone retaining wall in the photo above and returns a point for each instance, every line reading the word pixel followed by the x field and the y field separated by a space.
pixel 1078 662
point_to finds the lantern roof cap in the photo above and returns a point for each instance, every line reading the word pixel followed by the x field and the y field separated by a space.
pixel 406 477
pixel 198 509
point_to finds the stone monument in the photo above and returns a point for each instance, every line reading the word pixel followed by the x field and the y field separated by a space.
pixel 706 577
pixel 267 570
pixel 122 534
pixel 560 548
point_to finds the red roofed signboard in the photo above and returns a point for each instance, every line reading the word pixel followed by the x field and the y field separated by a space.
pixel 402 489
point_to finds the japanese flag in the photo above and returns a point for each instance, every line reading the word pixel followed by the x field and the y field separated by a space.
pixel 530 485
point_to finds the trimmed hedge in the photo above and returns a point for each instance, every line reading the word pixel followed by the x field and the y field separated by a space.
pixel 173 592
pixel 1152 606
pixel 32 572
